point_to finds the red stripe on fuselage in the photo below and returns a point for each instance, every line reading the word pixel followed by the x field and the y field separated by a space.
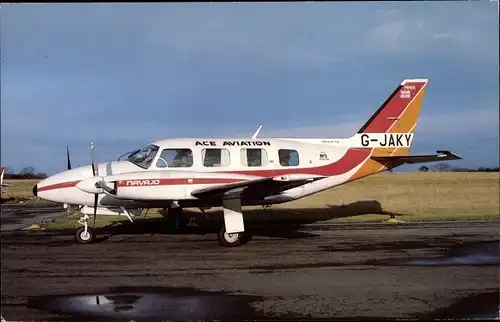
pixel 60 185
pixel 151 182
pixel 175 181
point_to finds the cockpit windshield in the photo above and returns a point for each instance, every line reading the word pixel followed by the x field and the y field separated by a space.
pixel 144 157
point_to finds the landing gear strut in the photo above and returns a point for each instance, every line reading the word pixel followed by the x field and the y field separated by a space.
pixel 232 232
pixel 85 234
pixel 174 219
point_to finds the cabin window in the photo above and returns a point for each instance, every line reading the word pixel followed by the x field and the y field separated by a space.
pixel 254 157
pixel 216 157
pixel 175 158
pixel 288 158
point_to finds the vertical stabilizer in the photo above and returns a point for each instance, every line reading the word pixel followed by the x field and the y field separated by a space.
pixel 391 128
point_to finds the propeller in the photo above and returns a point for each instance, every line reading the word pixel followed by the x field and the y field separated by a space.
pixel 67 157
pixel 69 208
pixel 95 173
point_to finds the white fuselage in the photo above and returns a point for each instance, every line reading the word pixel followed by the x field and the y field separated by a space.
pixel 178 169
pixel 162 182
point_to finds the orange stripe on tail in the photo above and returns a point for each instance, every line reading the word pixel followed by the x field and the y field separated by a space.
pixel 398 114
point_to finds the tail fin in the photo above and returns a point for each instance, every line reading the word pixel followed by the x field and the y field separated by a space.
pixel 390 130
pixel 398 116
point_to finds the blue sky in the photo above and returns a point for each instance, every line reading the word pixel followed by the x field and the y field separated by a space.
pixel 123 75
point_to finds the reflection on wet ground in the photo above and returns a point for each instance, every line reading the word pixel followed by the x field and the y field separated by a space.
pixel 149 303
pixel 478 254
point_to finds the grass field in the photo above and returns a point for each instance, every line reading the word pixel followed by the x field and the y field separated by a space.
pixel 411 196
pixel 21 191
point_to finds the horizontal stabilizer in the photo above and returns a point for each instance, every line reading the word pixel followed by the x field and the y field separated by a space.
pixel 411 159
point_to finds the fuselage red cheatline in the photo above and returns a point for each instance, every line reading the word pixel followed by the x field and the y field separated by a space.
pixel 230 172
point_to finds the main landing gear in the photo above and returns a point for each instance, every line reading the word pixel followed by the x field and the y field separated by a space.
pixel 175 221
pixel 232 239
pixel 232 230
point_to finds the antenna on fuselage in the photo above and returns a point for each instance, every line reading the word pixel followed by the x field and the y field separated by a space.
pixel 254 136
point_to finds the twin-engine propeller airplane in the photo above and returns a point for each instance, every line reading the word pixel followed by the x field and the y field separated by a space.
pixel 232 173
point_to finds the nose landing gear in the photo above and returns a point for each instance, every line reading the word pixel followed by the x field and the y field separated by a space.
pixel 85 234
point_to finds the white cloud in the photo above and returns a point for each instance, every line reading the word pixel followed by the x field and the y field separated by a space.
pixel 464 30
pixel 313 37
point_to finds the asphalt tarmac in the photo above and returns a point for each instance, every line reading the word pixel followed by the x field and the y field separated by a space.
pixel 20 216
pixel 138 271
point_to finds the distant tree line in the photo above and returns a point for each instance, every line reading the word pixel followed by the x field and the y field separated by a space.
pixel 25 173
pixel 445 167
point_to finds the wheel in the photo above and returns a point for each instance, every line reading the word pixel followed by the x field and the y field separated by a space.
pixel 232 240
pixel 85 238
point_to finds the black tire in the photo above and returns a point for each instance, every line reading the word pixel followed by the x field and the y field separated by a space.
pixel 82 239
pixel 232 240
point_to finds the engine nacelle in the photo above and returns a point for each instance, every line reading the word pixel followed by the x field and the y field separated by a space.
pixel 89 185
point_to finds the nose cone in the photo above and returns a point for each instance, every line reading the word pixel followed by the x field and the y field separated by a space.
pixel 35 190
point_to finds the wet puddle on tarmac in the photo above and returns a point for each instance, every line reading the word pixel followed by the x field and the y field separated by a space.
pixel 472 254
pixel 481 254
pixel 145 304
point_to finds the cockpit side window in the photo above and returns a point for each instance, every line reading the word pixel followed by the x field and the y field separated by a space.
pixel 144 157
pixel 175 158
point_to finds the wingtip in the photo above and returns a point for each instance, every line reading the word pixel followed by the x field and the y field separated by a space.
pixel 449 153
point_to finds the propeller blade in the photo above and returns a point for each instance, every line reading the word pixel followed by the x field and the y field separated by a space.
pixel 95 207
pixel 67 157
pixel 95 168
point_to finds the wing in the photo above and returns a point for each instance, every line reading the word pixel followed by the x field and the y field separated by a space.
pixel 257 187
pixel 412 159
